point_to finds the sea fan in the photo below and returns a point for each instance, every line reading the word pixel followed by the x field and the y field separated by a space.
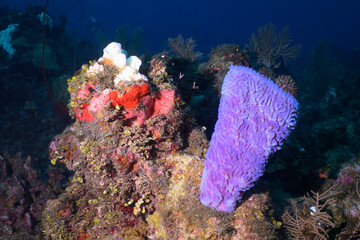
pixel 184 48
pixel 272 47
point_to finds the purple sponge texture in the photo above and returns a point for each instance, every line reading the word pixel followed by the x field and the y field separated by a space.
pixel 255 116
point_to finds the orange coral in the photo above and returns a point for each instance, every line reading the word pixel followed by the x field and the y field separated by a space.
pixel 131 98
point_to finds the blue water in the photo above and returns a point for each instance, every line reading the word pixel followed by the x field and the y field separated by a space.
pixel 211 22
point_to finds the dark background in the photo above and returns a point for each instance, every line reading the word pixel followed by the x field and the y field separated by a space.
pixel 211 22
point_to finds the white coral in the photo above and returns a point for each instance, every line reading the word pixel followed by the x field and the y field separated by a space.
pixel 129 67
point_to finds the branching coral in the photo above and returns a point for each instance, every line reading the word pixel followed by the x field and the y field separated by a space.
pixel 272 47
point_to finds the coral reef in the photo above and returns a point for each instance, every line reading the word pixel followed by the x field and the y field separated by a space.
pixel 137 154
pixel 137 158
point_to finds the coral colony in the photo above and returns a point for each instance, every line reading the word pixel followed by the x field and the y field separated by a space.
pixel 255 116
pixel 134 174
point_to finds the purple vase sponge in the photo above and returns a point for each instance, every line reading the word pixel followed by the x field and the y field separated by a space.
pixel 255 116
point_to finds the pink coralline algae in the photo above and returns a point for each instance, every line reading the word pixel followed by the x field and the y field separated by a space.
pixel 255 116
pixel 85 91
pixel 164 101
pixel 98 103
pixel 83 114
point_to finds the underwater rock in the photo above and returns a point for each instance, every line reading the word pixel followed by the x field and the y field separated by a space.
pixel 22 198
